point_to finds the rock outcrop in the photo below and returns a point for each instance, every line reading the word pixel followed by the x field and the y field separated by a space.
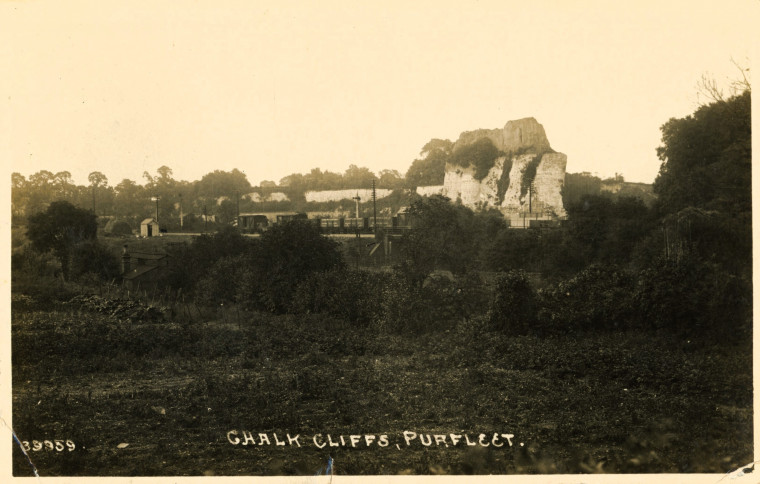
pixel 516 135
pixel 526 180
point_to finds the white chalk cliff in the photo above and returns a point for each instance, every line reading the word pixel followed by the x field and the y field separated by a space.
pixel 528 177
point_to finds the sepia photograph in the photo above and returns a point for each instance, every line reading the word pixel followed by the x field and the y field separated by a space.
pixel 301 239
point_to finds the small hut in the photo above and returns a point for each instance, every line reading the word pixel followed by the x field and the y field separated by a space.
pixel 149 227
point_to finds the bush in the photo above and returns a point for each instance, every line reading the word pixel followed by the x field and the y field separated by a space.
pixel 46 292
pixel 260 274
pixel 118 227
pixel 694 297
pixel 26 262
pixel 191 263
pixel 286 255
pixel 406 307
pixel 18 237
pixel 93 257
pixel 514 306
pixel 399 305
pixel 221 282
pixel 349 295
pixel 598 298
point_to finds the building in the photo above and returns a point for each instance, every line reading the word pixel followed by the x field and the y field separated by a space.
pixel 149 227
pixel 253 222
pixel 141 269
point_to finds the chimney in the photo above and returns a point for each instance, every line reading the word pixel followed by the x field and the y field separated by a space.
pixel 125 260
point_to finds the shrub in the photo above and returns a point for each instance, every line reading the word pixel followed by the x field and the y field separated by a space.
pixel 44 291
pixel 598 298
pixel 261 274
pixel 18 237
pixel 286 255
pixel 349 295
pixel 26 262
pixel 513 307
pixel 191 263
pixel 93 257
pixel 118 227
pixel 398 298
pixel 694 297
pixel 406 307
pixel 221 282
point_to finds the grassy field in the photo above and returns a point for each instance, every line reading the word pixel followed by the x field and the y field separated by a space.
pixel 173 389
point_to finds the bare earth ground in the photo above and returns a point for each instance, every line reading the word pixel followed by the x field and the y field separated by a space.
pixel 173 390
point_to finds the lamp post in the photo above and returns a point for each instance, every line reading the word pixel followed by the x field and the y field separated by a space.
pixel 357 198
pixel 156 199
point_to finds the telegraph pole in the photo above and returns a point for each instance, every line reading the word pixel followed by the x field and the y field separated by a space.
pixel 156 199
pixel 530 198
pixel 358 245
pixel 374 208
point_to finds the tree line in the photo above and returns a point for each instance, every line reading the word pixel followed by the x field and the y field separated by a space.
pixel 683 263
pixel 218 193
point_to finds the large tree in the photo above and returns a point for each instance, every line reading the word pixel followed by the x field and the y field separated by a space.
pixel 223 183
pixel 431 168
pixel 707 159
pixel 358 177
pixel 391 179
pixel 285 255
pixel 97 180
pixel 19 193
pixel 64 184
pixel 441 237
pixel 704 185
pixel 60 228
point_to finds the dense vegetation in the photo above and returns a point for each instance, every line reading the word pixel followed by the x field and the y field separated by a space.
pixel 480 155
pixel 431 168
pixel 707 158
pixel 619 341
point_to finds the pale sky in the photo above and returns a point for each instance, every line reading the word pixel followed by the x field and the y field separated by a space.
pixel 273 88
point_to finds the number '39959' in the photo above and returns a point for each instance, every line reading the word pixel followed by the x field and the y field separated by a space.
pixel 56 445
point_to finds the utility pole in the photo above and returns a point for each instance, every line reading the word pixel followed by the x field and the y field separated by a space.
pixel 530 198
pixel 374 208
pixel 358 241
pixel 156 199
pixel 180 213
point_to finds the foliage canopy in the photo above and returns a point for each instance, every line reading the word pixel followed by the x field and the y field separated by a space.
pixel 59 228
pixel 707 158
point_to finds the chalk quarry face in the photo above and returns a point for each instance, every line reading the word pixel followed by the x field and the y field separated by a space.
pixel 526 180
